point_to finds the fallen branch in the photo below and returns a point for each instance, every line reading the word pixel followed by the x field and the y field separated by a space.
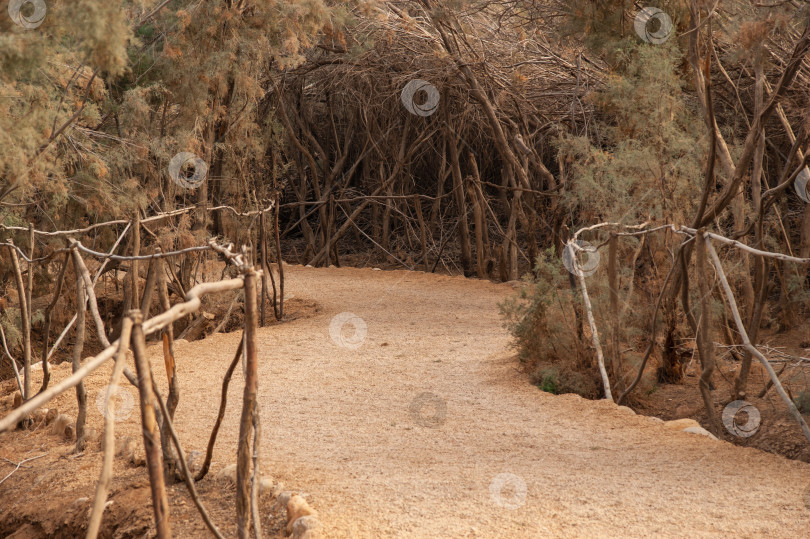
pixel 20 464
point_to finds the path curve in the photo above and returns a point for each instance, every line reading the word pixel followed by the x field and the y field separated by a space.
pixel 427 429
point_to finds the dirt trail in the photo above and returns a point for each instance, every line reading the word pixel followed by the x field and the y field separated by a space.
pixel 344 424
pixel 409 433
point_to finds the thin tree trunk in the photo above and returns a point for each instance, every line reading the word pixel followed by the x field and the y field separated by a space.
pixel 613 284
pixel 26 323
pixel 60 280
pixel 265 269
pixel 280 262
pixel 478 218
pixel 705 340
pixel 461 205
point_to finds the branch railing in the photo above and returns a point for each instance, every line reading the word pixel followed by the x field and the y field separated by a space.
pixel 155 414
pixel 707 345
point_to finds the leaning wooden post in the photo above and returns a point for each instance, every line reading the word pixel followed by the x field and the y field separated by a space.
pixel 600 358
pixel 26 322
pixel 150 431
pixel 248 403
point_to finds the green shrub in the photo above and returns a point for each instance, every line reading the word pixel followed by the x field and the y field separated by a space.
pixel 539 336
pixel 561 379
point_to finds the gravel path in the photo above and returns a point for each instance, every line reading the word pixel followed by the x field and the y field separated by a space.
pixel 425 428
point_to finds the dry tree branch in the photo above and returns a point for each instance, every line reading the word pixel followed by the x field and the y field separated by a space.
pixel 78 348
pixel 160 502
pixel 18 465
pixel 256 477
pixel 192 489
pixel 747 343
pixel 600 359
pixel 156 323
pixel 60 280
pixel 95 280
pixel 248 404
pixel 222 403
pixel 149 219
pixel 11 358
pixel 87 283
pixel 26 322
pixel 100 499
pixel 704 339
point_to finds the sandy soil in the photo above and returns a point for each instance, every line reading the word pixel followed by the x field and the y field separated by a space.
pixel 421 425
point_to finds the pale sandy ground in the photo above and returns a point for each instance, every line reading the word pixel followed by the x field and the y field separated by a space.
pixel 338 424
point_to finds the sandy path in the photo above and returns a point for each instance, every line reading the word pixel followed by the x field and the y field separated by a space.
pixel 338 424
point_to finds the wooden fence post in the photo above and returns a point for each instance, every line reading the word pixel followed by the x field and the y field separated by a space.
pixel 248 405
pixel 154 465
